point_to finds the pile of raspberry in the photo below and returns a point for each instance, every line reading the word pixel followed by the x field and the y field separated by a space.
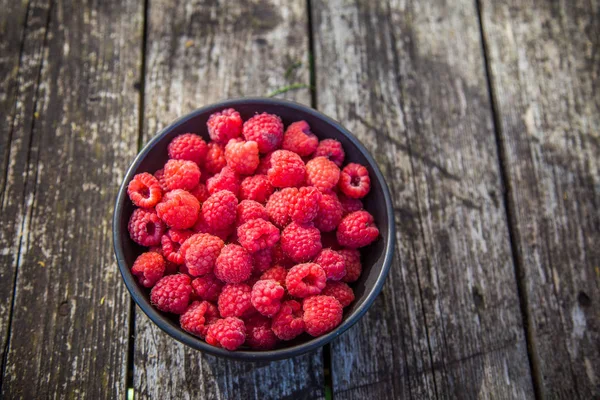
pixel 253 237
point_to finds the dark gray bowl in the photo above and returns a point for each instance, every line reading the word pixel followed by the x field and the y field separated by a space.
pixel 376 258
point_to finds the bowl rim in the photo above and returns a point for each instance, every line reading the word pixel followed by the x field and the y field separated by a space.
pixel 199 344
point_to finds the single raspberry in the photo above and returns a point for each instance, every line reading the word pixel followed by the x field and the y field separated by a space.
pixel 287 169
pixel 349 204
pixel 299 139
pixel 207 287
pixel 276 273
pixel 265 164
pixel 234 300
pixel 301 242
pixel 220 210
pixel 329 240
pixel 357 229
pixel 224 125
pixel 172 293
pixel 288 322
pixel 228 333
pixel 266 130
pixel 257 188
pixel 278 206
pixel 242 156
pixel 215 158
pixel 330 212
pixel 200 252
pixel 171 242
pixel 234 264
pixel 262 259
pixel 145 227
pixel 179 209
pixel 257 234
pixel 149 268
pixel 321 314
pixel 181 174
pixel 248 210
pixel 144 190
pixel 333 263
pixel 188 147
pixel 341 291
pixel 266 296
pixel 197 318
pixel 332 150
pixel 305 280
pixel 353 265
pixel 160 177
pixel 354 181
pixel 227 179
pixel 200 192
pixel 259 334
pixel 322 173
pixel 304 206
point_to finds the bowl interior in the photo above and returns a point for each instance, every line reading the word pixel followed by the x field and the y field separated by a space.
pixel 376 258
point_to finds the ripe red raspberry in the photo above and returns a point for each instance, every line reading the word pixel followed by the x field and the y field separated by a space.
pixel 189 147
pixel 172 293
pixel 305 280
pixel 322 173
pixel 265 164
pixel 266 296
pixel 266 130
pixel 207 287
pixel 181 174
pixel 197 318
pixel 276 273
pixel 321 314
pixel 171 242
pixel 200 252
pixel 149 268
pixel 228 333
pixel 160 177
pixel 349 204
pixel 354 181
pixel 301 242
pixel 299 139
pixel 144 190
pixel 332 150
pixel 278 206
pixel 261 260
pixel 224 125
pixel 287 169
pixel 248 210
pixel 341 291
pixel 257 234
pixel 257 188
pixel 215 158
pixel 200 192
pixel 220 210
pixel 145 227
pixel 329 214
pixel 242 156
pixel 179 209
pixel 353 265
pixel 288 323
pixel 234 300
pixel 234 264
pixel 333 264
pixel 304 205
pixel 227 179
pixel 357 229
pixel 259 334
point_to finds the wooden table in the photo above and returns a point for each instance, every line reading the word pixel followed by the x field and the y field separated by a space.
pixel 483 115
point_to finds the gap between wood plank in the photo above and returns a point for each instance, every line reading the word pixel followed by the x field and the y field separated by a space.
pixel 510 215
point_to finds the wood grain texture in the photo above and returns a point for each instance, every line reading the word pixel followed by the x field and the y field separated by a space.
pixel 408 78
pixel 545 66
pixel 75 130
pixel 199 54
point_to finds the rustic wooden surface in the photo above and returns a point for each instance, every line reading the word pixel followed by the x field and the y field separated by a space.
pixel 545 69
pixel 483 115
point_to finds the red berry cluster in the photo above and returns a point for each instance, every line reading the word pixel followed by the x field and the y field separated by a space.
pixel 253 237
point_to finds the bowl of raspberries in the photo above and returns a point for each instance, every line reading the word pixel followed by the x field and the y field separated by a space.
pixel 254 229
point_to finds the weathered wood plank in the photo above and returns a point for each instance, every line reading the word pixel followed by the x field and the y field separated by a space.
pixel 545 64
pixel 408 77
pixel 198 54
pixel 75 130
